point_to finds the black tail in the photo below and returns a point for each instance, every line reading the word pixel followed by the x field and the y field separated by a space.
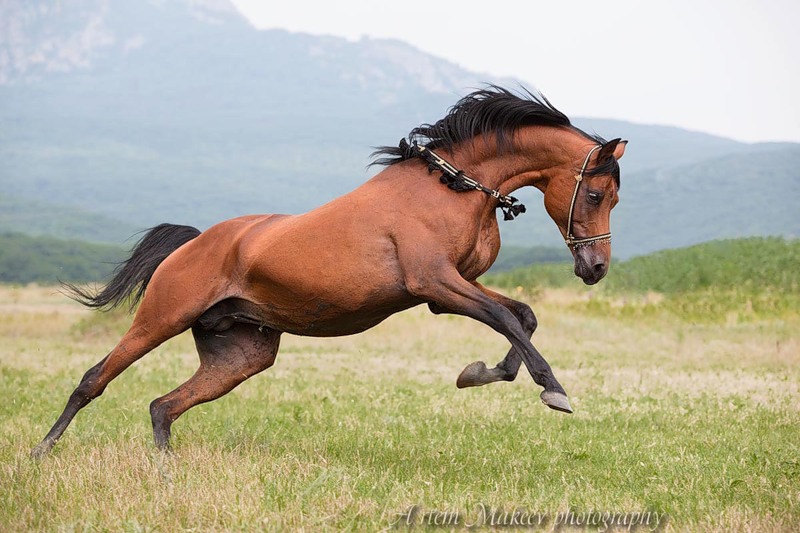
pixel 132 275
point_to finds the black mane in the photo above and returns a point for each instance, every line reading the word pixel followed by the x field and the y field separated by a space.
pixel 491 110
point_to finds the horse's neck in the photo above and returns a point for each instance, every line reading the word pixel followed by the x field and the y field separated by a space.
pixel 539 152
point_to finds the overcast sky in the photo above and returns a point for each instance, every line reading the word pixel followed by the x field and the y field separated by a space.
pixel 730 68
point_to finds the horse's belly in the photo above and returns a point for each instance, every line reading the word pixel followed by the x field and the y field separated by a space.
pixel 315 318
pixel 347 323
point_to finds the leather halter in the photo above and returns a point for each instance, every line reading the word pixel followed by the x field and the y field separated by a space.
pixel 588 241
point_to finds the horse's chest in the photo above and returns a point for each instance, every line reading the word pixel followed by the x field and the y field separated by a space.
pixel 483 254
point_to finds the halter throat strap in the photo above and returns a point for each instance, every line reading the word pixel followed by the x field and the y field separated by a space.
pixel 458 181
pixel 587 241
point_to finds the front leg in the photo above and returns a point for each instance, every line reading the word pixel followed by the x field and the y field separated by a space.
pixel 449 292
pixel 477 374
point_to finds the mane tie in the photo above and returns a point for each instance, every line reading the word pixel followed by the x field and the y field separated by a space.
pixel 458 181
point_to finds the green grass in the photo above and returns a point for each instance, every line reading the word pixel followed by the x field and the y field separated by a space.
pixel 697 421
pixel 755 264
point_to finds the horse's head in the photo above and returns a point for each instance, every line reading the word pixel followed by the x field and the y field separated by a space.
pixel 580 201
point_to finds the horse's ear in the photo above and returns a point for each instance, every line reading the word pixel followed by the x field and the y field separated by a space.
pixel 619 151
pixel 614 147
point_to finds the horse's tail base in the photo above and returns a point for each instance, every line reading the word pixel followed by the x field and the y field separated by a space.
pixel 131 276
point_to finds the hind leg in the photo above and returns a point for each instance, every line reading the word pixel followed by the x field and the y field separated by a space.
pixel 133 346
pixel 154 323
pixel 227 358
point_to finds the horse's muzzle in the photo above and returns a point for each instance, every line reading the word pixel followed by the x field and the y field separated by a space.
pixel 590 265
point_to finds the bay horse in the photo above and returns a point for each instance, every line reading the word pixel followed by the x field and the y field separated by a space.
pixel 401 239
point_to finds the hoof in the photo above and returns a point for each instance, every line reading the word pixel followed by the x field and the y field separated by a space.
pixel 556 400
pixel 474 375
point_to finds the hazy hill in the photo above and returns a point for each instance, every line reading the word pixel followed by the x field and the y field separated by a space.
pixel 36 218
pixel 750 192
pixel 753 192
pixel 25 259
pixel 139 112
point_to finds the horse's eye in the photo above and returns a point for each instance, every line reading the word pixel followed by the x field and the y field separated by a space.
pixel 595 197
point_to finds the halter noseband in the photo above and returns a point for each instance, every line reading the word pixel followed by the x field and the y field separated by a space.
pixel 588 241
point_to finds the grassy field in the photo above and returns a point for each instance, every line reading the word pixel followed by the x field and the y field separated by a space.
pixel 692 422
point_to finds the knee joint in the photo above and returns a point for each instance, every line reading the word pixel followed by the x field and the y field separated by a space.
pixel 88 389
pixel 159 412
pixel 527 318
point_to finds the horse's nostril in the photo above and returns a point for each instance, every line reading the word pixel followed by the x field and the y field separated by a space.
pixel 599 267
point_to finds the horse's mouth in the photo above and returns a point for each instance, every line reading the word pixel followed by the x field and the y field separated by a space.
pixel 591 279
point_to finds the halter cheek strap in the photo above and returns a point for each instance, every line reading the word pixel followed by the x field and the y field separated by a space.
pixel 588 241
